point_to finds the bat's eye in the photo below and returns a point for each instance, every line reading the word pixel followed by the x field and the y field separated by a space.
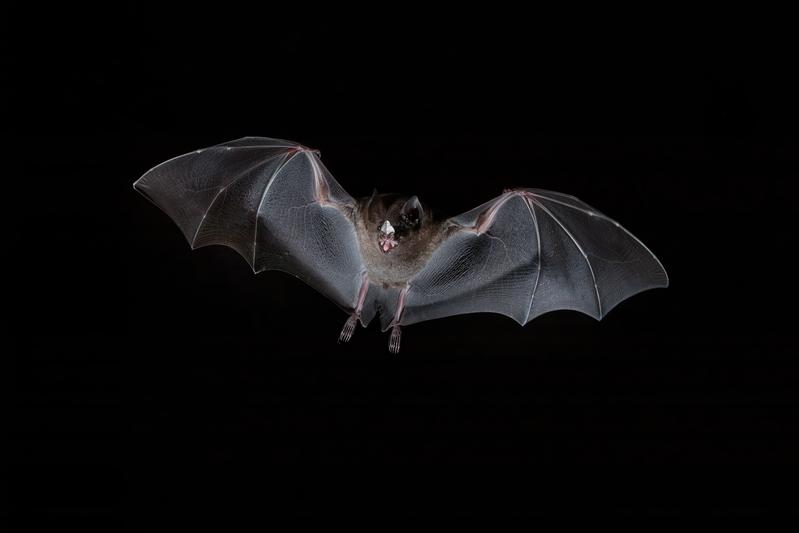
pixel 411 213
pixel 410 220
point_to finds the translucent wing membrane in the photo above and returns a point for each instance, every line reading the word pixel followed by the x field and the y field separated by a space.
pixel 261 197
pixel 542 251
pixel 470 273
pixel 616 264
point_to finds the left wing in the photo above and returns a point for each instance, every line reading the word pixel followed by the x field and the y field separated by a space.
pixel 528 252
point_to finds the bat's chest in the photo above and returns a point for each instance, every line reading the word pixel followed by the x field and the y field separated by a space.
pixel 389 269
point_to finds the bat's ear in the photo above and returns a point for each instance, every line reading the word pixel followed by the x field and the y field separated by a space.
pixel 371 198
pixel 412 209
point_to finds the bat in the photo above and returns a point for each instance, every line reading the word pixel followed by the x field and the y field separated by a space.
pixel 522 254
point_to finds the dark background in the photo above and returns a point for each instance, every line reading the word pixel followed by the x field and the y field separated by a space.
pixel 150 379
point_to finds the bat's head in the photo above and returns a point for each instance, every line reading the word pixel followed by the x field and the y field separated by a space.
pixel 399 223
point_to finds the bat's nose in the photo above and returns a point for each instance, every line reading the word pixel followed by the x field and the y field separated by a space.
pixel 387 228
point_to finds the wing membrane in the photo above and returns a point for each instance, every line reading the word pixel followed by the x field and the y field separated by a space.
pixel 543 251
pixel 260 196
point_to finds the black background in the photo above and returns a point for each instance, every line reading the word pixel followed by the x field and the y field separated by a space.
pixel 150 379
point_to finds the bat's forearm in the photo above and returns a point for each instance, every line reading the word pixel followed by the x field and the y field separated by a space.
pixel 486 218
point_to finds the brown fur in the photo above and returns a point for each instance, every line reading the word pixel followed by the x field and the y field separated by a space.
pixel 395 268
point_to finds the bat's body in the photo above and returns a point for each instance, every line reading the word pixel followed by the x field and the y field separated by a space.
pixel 522 254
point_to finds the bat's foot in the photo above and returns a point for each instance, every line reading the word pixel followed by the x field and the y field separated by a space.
pixel 348 329
pixel 394 340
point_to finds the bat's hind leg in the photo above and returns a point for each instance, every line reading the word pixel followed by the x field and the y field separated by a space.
pixel 394 340
pixel 396 331
pixel 352 321
pixel 349 328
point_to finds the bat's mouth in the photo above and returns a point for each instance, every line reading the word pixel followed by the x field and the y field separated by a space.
pixel 387 242
pixel 386 239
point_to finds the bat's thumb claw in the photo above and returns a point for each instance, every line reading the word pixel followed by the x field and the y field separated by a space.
pixel 394 341
pixel 348 329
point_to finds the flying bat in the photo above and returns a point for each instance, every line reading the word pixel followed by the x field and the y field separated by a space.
pixel 522 254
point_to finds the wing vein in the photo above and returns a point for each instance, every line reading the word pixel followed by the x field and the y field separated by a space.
pixel 261 146
pixel 600 215
pixel 585 256
pixel 538 252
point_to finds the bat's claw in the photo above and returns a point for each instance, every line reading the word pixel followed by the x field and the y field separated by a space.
pixel 394 340
pixel 348 329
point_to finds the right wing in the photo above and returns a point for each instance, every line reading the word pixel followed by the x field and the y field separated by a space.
pixel 528 252
pixel 272 201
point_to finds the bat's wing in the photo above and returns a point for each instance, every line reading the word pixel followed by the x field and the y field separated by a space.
pixel 528 252
pixel 272 201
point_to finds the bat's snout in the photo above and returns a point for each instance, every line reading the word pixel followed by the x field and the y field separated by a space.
pixel 386 237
